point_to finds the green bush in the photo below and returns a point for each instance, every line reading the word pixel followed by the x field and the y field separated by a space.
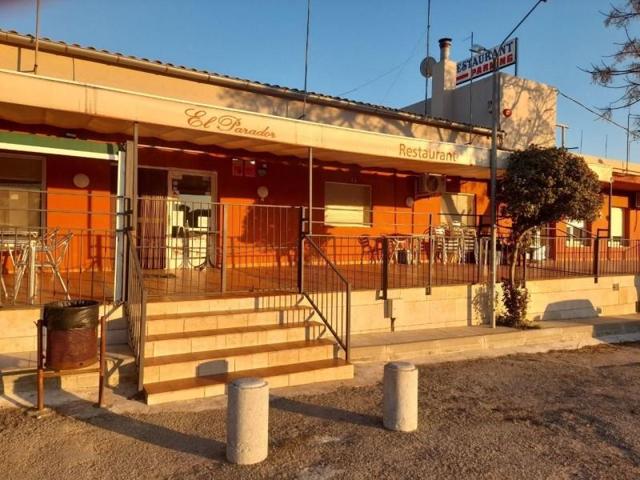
pixel 516 301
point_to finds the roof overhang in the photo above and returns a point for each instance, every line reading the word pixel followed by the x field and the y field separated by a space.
pixel 29 99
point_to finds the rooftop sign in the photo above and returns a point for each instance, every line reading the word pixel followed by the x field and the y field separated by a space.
pixel 481 63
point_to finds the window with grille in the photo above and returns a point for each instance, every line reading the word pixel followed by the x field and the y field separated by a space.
pixel 20 191
pixel 577 233
pixel 347 204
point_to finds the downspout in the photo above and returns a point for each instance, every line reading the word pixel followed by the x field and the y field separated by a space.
pixel 37 41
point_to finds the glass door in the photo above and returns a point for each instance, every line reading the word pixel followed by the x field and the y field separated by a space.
pixel 191 220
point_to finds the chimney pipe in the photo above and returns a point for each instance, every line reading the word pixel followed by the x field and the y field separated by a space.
pixel 445 47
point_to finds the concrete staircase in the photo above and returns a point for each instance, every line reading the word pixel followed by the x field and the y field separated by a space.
pixel 194 348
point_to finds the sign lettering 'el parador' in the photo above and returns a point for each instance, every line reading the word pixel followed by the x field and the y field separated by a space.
pixel 198 118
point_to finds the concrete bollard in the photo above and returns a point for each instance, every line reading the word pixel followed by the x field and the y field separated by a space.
pixel 400 411
pixel 247 421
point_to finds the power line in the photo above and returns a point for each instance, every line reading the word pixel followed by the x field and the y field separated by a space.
pixel 409 58
pixel 591 110
pixel 388 72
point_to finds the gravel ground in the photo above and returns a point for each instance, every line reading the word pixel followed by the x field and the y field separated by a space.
pixel 555 415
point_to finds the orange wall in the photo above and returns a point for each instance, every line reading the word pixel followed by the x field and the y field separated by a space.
pixel 259 235
pixel 86 213
pixel 287 181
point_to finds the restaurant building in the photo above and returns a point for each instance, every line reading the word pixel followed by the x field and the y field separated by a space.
pixel 237 226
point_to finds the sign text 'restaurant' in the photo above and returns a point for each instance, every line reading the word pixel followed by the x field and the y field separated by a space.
pixel 482 63
pixel 427 154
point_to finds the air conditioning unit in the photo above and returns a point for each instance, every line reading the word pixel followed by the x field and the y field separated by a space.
pixel 430 184
pixel 637 200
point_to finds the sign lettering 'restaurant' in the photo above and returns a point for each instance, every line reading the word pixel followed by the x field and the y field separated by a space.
pixel 198 118
pixel 481 64
pixel 424 153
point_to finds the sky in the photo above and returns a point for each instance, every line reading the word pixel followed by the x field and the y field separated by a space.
pixel 366 50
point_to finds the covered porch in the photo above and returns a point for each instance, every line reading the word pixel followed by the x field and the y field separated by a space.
pixel 216 199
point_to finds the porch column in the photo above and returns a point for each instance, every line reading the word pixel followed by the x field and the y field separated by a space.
pixel 310 229
pixel 121 209
pixel 127 200
pixel 131 176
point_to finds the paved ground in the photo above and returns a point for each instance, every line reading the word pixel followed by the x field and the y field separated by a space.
pixel 555 415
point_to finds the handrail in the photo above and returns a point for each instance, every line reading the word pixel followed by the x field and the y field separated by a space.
pixel 136 303
pixel 333 307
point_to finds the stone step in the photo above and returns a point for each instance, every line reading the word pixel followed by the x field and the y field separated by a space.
pixel 224 303
pixel 222 338
pixel 212 362
pixel 207 320
pixel 18 373
pixel 280 376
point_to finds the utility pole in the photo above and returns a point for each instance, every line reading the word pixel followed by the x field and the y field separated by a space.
pixel 427 109
pixel 495 111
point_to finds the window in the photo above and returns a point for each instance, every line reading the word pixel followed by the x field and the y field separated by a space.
pixel 617 226
pixel 458 208
pixel 577 233
pixel 20 185
pixel 347 204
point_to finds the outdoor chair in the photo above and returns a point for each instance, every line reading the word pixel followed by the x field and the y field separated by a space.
pixel 439 244
pixel 454 243
pixel 49 251
pixel 367 250
pixel 469 245
pixel 52 254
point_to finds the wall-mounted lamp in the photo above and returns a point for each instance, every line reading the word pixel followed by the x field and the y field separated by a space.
pixel 80 180
pixel 263 192
pixel 409 202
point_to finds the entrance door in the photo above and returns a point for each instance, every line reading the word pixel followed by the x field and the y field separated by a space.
pixel 191 219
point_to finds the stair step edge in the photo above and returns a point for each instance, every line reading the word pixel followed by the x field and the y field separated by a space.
pixel 224 378
pixel 232 352
pixel 227 331
pixel 215 313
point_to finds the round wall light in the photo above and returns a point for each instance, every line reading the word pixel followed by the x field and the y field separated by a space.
pixel 263 192
pixel 81 180
pixel 409 202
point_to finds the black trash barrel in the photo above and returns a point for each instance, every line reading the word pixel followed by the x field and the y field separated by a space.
pixel 72 333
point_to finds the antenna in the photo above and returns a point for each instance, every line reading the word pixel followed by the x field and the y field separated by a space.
pixel 471 94
pixel 37 43
pixel 581 135
pixel 306 59
pixel 429 73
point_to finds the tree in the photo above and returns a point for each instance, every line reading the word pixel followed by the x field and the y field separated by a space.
pixel 543 186
pixel 622 71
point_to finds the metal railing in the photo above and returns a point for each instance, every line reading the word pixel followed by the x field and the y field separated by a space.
pixel 407 261
pixel 327 290
pixel 190 247
pixel 566 256
pixel 136 307
pixel 55 245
